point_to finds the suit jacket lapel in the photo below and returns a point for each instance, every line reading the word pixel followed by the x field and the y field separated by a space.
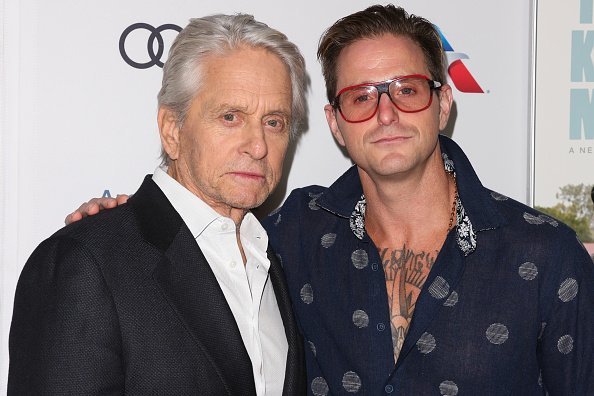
pixel 295 379
pixel 189 285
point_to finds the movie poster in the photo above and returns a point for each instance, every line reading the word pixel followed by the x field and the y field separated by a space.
pixel 564 114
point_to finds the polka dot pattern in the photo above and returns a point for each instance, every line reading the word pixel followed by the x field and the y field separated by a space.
pixel 319 387
pixel 540 219
pixel 528 271
pixel 360 319
pixel 426 343
pixel 470 291
pixel 440 288
pixel 359 258
pixel 307 293
pixel 448 388
pixel 565 344
pixel 497 333
pixel 568 290
pixel 328 240
pixel 531 219
pixel 313 204
pixel 312 346
pixel 451 300
pixel 498 197
pixel 549 220
pixel 351 382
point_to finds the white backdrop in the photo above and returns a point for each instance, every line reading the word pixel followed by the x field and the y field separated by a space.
pixel 77 120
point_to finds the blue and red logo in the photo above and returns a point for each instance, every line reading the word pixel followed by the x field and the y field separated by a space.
pixel 459 73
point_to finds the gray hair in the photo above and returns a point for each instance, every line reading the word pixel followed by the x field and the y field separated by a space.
pixel 219 34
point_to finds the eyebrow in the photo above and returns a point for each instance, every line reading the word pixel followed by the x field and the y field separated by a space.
pixel 282 112
pixel 368 82
pixel 244 109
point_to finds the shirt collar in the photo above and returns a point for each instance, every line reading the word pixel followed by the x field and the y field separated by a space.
pixel 194 212
pixel 475 210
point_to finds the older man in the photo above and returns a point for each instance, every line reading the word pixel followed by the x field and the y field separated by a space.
pixel 176 292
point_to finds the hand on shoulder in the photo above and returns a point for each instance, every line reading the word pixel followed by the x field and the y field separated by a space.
pixel 94 206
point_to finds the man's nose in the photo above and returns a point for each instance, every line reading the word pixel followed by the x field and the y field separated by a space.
pixel 387 112
pixel 255 142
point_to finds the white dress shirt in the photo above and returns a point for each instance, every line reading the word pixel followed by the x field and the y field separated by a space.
pixel 248 290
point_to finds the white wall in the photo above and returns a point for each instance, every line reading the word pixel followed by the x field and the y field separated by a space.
pixel 77 120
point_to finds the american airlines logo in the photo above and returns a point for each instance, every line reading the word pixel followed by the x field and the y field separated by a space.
pixel 459 73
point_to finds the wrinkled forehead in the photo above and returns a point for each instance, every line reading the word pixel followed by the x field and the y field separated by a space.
pixel 247 68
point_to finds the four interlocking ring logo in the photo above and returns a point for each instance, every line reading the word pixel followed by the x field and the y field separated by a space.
pixel 155 35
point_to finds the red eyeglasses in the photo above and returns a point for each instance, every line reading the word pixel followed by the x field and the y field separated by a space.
pixel 410 94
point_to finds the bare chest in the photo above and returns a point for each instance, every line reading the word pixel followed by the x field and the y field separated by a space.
pixel 406 270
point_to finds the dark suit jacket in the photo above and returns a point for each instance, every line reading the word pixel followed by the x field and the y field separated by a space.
pixel 125 302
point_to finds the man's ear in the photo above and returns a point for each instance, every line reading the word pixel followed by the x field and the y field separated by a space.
pixel 169 132
pixel 445 105
pixel 331 119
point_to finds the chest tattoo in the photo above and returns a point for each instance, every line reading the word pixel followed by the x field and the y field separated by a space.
pixel 406 271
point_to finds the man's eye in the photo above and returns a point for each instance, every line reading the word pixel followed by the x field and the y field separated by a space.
pixel 358 96
pixel 275 124
pixel 230 117
pixel 406 91
pixel 361 99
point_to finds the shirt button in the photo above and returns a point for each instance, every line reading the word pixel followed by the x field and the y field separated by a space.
pixel 224 226
pixel 389 388
pixel 232 264
pixel 381 327
pixel 374 266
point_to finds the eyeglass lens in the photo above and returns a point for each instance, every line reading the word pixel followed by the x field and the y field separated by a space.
pixel 408 95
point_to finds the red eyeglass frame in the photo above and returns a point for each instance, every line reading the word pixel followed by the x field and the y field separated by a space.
pixel 385 88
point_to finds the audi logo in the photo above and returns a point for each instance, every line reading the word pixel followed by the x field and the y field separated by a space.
pixel 155 58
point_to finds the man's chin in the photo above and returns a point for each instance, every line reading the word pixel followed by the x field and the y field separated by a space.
pixel 247 202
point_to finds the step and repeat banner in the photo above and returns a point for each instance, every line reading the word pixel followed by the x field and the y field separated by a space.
pixel 80 79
